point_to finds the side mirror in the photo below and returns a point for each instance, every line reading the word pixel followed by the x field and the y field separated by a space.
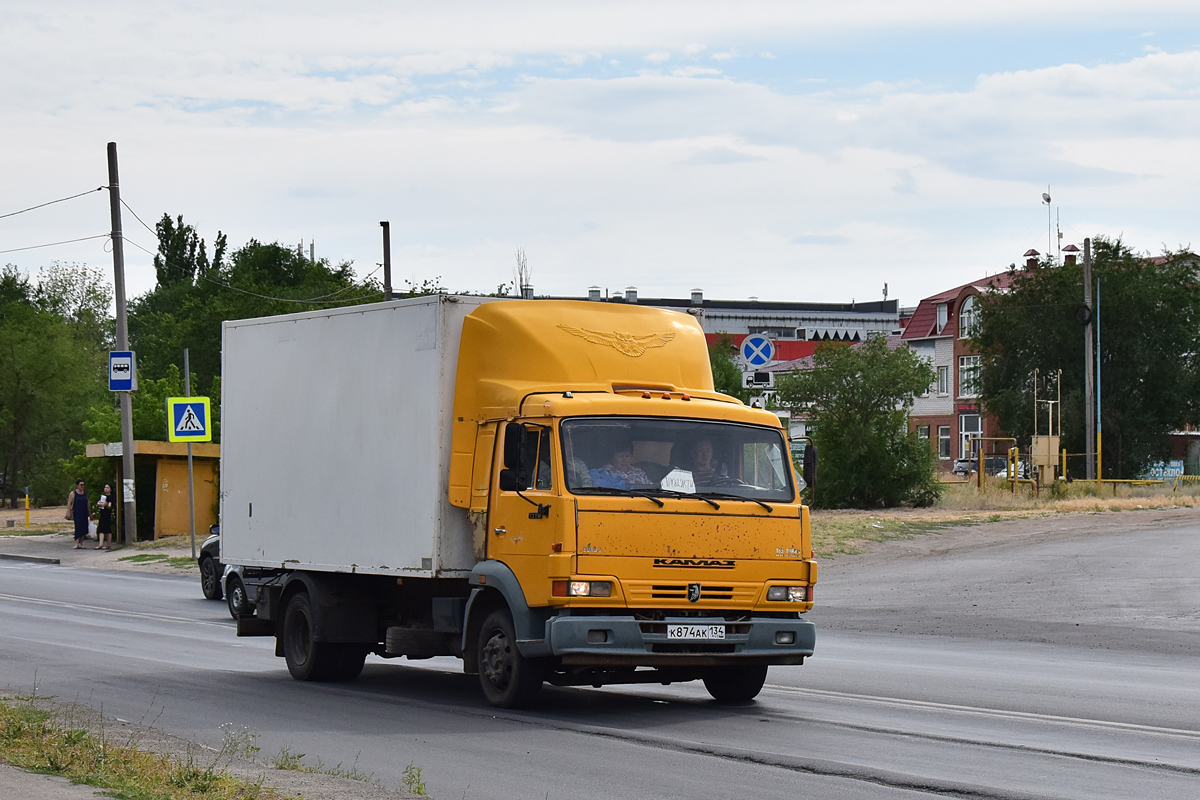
pixel 810 465
pixel 514 445
pixel 508 480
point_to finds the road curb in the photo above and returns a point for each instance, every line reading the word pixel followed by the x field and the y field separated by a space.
pixel 35 559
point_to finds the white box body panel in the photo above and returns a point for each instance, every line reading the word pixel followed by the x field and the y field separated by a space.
pixel 335 440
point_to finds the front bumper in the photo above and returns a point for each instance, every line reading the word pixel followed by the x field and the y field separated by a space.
pixel 625 641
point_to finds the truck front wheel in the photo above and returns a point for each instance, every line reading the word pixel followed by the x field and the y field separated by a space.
pixel 737 684
pixel 309 660
pixel 509 680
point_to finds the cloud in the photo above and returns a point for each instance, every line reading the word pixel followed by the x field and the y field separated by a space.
pixel 820 239
pixel 478 128
pixel 722 155
pixel 695 72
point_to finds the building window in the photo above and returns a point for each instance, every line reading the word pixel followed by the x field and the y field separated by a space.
pixel 943 316
pixel 944 441
pixel 968 317
pixel 943 381
pixel 775 333
pixel 968 376
pixel 923 432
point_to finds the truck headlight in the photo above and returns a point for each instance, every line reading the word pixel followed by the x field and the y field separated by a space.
pixel 590 589
pixel 788 594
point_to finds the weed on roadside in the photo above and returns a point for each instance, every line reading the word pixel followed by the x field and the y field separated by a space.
pixel 31 738
pixel 411 778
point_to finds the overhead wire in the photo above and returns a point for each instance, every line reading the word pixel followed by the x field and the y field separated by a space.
pixel 52 202
pixel 315 300
pixel 55 244
pixel 320 299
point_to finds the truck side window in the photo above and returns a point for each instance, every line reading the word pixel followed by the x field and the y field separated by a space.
pixel 542 481
pixel 535 466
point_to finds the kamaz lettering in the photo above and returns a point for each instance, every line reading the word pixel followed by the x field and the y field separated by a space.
pixel 700 563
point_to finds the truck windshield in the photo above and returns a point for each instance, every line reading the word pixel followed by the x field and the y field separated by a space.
pixel 611 455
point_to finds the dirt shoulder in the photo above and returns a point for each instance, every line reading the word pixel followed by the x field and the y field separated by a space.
pixel 919 533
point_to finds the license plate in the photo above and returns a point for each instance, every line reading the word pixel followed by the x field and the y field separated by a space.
pixel 695 631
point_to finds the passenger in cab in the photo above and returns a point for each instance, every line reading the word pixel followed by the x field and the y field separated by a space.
pixel 619 472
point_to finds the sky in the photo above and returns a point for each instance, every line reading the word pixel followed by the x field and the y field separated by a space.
pixel 790 151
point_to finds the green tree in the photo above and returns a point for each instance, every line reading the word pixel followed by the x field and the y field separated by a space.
pixel 860 396
pixel 53 338
pixel 193 297
pixel 1149 349
pixel 727 376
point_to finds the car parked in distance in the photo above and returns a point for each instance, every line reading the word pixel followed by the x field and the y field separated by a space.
pixel 238 596
pixel 994 464
pixel 219 580
pixel 211 569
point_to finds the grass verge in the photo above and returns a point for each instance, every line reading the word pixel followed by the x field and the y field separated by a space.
pixel 34 739
pixel 179 562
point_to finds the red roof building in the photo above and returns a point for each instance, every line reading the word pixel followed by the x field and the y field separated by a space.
pixel 949 414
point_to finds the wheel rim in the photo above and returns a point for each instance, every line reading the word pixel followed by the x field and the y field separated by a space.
pixel 497 660
pixel 209 575
pixel 237 598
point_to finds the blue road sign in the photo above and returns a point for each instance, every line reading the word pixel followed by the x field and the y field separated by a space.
pixel 122 376
pixel 758 350
pixel 187 419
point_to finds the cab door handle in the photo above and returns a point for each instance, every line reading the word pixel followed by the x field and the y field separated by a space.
pixel 499 531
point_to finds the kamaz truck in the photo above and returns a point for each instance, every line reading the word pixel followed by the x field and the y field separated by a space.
pixel 551 491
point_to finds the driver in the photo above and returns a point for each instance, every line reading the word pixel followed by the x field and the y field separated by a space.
pixel 701 462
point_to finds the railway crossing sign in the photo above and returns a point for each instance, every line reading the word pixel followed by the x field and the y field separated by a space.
pixel 758 350
pixel 188 419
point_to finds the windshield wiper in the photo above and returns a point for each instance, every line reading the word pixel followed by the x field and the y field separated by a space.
pixel 726 496
pixel 688 495
pixel 614 490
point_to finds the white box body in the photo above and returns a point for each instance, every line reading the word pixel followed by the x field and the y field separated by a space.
pixel 335 440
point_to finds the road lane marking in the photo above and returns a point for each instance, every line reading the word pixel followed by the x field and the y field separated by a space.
pixel 991 712
pixel 110 611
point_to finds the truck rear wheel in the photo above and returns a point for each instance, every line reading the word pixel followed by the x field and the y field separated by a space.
pixel 508 679
pixel 309 660
pixel 738 684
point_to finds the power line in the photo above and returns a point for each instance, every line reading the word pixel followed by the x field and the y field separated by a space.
pixel 317 300
pixel 55 244
pixel 52 202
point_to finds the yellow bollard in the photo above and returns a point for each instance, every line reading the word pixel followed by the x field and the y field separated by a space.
pixel 26 509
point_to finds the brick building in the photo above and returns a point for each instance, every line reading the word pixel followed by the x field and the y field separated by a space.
pixel 949 414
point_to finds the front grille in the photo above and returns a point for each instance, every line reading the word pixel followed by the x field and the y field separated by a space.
pixel 651 593
pixel 674 592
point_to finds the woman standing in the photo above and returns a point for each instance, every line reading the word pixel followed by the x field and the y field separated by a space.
pixel 80 511
pixel 104 529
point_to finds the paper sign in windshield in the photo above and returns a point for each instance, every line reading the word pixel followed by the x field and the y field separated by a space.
pixel 679 480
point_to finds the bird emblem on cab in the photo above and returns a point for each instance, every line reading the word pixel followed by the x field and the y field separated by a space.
pixel 625 343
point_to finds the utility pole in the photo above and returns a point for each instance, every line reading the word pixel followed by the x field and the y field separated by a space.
pixel 1089 357
pixel 187 391
pixel 1099 422
pixel 387 259
pixel 126 398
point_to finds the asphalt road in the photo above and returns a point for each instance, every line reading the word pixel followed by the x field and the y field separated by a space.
pixel 1061 665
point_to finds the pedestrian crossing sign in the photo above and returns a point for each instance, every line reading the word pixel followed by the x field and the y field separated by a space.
pixel 188 419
